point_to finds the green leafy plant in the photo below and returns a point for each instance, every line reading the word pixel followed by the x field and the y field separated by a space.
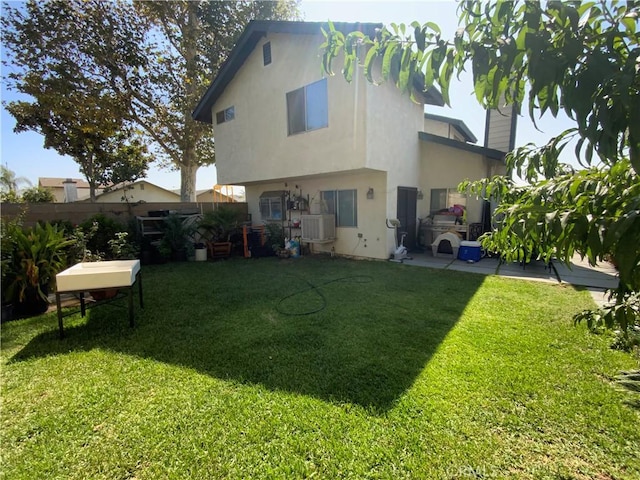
pixel 106 230
pixel 10 197
pixel 37 255
pixel 177 237
pixel 8 231
pixel 38 195
pixel 79 251
pixel 219 224
pixel 275 235
pixel 579 57
pixel 122 249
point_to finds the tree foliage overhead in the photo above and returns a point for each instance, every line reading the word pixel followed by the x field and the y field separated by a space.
pixel 55 50
pixel 579 57
pixel 186 42
pixel 97 69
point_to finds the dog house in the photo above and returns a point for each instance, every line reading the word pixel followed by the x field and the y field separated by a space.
pixel 446 245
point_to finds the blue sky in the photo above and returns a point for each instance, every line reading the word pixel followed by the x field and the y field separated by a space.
pixel 25 155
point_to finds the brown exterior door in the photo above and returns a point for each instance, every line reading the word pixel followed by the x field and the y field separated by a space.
pixel 407 214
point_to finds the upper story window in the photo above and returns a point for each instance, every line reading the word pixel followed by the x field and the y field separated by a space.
pixel 266 53
pixel 307 107
pixel 343 204
pixel 226 115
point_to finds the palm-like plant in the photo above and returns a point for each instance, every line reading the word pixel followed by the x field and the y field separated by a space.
pixel 8 180
pixel 37 255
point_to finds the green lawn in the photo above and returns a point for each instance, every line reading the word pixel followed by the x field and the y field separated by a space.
pixel 318 367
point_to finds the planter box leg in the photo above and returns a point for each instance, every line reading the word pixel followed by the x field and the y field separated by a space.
pixel 59 309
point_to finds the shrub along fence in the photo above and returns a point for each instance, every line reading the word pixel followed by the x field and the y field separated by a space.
pixel 124 213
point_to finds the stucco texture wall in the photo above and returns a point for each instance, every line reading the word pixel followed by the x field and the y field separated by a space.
pixel 446 167
pixel 256 145
pixel 371 212
pixel 393 121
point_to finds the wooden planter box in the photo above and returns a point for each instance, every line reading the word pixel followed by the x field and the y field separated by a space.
pixel 219 249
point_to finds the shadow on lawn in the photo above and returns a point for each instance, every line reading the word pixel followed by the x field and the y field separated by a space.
pixel 377 325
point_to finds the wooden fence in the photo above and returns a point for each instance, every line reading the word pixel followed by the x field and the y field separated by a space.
pixel 124 213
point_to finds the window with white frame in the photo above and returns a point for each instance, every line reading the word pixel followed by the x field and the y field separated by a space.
pixel 271 205
pixel 343 204
pixel 307 108
pixel 444 198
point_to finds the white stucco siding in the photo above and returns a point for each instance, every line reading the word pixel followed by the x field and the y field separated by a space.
pixel 393 121
pixel 371 212
pixel 255 145
pixel 446 167
pixel 437 128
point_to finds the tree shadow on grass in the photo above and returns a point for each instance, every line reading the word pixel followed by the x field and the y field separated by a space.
pixel 354 332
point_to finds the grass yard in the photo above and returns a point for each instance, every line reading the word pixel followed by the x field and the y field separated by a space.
pixel 318 367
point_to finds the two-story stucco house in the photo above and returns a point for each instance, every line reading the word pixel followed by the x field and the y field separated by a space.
pixel 302 142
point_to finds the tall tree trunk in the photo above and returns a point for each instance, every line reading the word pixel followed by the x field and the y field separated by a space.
pixel 90 179
pixel 188 172
pixel 190 163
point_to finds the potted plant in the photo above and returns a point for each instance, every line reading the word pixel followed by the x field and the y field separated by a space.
pixel 37 255
pixel 275 237
pixel 216 228
pixel 176 241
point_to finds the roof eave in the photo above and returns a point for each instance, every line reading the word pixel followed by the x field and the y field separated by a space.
pixel 249 38
pixel 459 124
pixel 491 153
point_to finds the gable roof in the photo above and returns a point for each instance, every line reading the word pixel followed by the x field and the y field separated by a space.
pixel 469 147
pixel 459 124
pixel 52 182
pixel 255 30
pixel 121 186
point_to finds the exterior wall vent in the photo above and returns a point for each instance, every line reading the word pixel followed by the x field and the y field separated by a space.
pixel 266 53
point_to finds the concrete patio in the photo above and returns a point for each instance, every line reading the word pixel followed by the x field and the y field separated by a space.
pixel 580 273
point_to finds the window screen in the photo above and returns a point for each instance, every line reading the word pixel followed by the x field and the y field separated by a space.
pixel 343 204
pixel 307 108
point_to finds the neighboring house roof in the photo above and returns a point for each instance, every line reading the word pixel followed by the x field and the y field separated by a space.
pixel 210 191
pixel 487 152
pixel 260 28
pixel 459 124
pixel 128 185
pixel 58 182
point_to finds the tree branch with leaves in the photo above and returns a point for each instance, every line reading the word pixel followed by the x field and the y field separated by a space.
pixel 579 57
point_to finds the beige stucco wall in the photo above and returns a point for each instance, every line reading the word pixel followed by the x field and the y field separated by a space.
pixel 371 212
pixel 393 121
pixel 371 142
pixel 446 167
pixel 256 145
pixel 442 129
pixel 149 193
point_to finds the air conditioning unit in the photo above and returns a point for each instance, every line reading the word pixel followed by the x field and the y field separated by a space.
pixel 318 227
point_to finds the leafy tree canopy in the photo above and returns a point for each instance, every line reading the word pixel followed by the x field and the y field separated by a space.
pixel 58 48
pixel 38 195
pixel 98 68
pixel 583 58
